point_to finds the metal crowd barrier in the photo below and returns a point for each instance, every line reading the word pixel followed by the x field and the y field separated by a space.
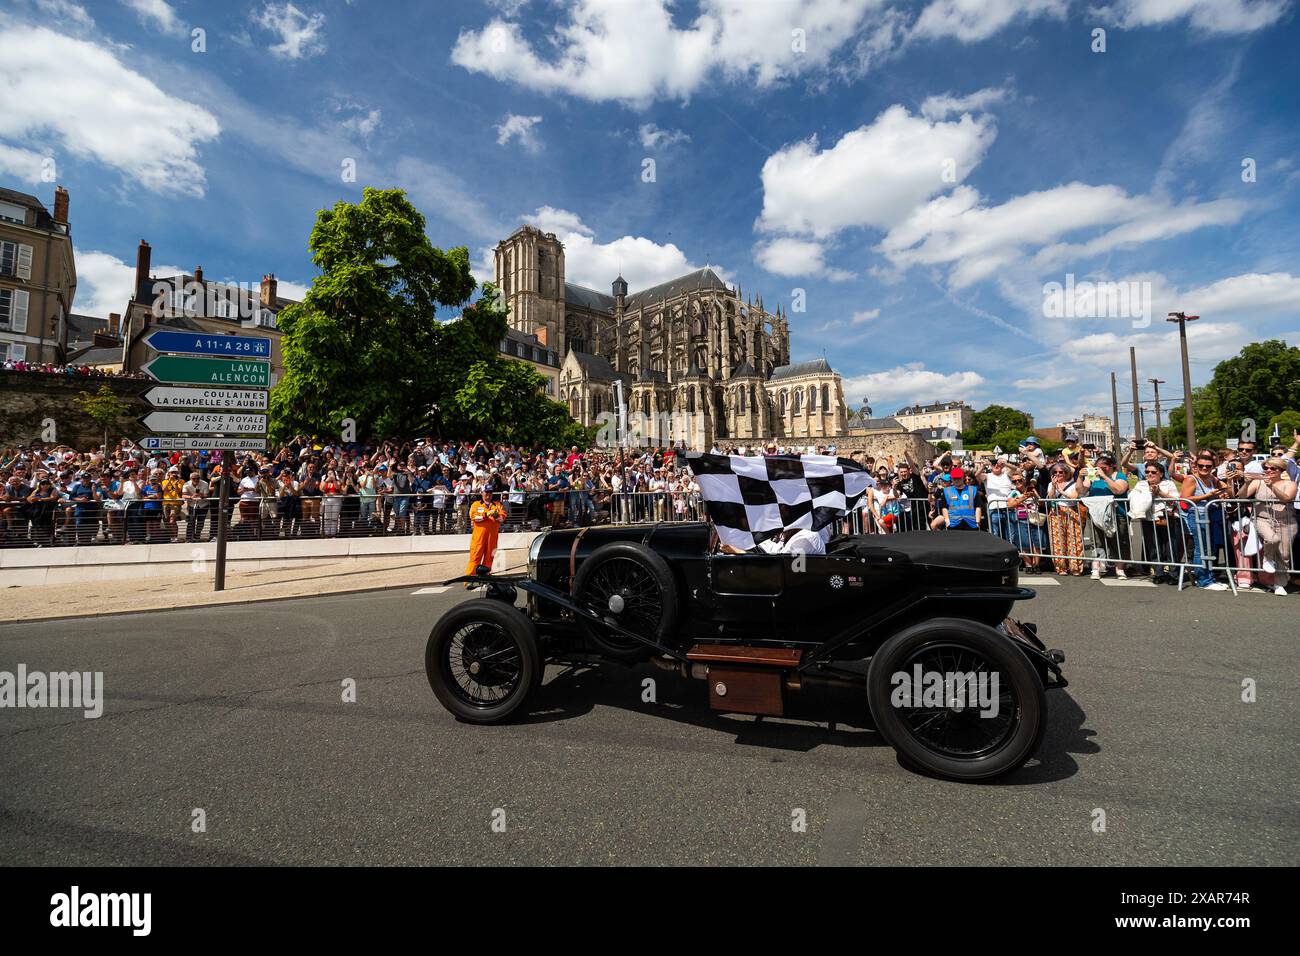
pixel 264 518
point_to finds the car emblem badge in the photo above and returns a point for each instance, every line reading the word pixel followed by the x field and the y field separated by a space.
pixel 837 582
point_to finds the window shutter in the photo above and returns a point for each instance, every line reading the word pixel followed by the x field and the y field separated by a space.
pixel 24 262
pixel 17 353
pixel 18 317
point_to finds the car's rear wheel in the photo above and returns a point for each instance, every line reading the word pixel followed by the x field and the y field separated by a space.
pixel 631 585
pixel 926 703
pixel 482 660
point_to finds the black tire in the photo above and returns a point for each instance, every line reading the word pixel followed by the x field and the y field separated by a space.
pixel 643 581
pixel 952 742
pixel 494 637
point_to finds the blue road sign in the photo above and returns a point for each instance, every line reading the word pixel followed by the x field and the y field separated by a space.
pixel 208 343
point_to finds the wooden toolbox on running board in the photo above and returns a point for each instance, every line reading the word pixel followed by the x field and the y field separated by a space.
pixel 746 680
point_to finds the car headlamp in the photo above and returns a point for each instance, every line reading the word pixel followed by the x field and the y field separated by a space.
pixel 534 550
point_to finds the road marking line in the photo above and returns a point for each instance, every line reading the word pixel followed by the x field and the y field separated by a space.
pixel 1127 584
pixel 1038 582
pixel 438 590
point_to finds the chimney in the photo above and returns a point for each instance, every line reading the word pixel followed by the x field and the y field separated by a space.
pixel 60 205
pixel 114 321
pixel 268 291
pixel 198 275
pixel 142 257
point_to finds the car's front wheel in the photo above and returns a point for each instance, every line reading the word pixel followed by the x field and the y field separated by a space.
pixel 957 699
pixel 482 660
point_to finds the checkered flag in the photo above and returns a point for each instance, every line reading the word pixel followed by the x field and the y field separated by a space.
pixel 752 499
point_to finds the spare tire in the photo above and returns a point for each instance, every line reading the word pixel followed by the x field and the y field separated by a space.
pixel 627 583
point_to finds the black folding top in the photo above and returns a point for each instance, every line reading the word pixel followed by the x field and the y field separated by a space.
pixel 973 550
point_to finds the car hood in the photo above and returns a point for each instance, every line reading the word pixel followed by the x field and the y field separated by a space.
pixel 967 550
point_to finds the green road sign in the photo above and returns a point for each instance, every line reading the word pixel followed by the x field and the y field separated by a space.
pixel 187 370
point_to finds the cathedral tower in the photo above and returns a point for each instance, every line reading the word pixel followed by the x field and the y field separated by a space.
pixel 529 270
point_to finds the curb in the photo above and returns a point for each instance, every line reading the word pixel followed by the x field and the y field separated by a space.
pixel 213 604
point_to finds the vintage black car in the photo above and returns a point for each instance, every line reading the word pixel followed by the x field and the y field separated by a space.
pixel 919 620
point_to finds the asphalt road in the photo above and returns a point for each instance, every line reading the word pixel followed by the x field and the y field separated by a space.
pixel 239 712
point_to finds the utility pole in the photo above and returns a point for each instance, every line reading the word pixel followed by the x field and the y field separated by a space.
pixel 1182 318
pixel 1138 432
pixel 1114 416
pixel 1160 430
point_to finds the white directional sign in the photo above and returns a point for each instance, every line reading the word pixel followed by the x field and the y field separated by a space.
pixel 206 423
pixel 200 443
pixel 231 399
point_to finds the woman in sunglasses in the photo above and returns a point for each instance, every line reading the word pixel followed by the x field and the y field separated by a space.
pixel 1275 521
pixel 1065 520
pixel 1153 503
pixel 1201 489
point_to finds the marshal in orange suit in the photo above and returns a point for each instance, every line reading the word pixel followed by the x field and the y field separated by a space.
pixel 485 516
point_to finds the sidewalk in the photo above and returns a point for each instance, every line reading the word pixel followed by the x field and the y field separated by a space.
pixel 194 589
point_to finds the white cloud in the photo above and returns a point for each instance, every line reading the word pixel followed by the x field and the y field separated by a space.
pixel 641 261
pixel 613 50
pixel 23 165
pixel 1207 341
pixel 52 91
pixel 976 240
pixel 862 318
pixel 301 35
pixel 1212 16
pixel 159 13
pixel 797 257
pixel 72 13
pixel 972 20
pixel 652 137
pixel 365 123
pixel 520 128
pixel 942 106
pixel 910 384
pixel 1249 293
pixel 287 289
pixel 874 176
pixel 105 283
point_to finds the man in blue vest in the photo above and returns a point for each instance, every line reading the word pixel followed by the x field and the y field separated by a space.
pixel 961 509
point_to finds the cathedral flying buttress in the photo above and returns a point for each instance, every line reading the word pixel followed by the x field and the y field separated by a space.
pixel 691 350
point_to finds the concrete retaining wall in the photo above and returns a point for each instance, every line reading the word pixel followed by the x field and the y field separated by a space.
pixel 26 567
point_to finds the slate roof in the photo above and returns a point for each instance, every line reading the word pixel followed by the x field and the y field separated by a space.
pixel 598 368
pixel 588 298
pixel 600 302
pixel 858 423
pixel 796 369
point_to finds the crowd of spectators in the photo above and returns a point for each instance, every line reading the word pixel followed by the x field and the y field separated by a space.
pixel 1152 511
pixel 68 371
pixel 58 495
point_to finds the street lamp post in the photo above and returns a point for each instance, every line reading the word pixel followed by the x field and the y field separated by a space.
pixel 1182 318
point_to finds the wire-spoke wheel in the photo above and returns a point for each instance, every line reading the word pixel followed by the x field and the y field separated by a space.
pixel 957 698
pixel 482 660
pixel 630 585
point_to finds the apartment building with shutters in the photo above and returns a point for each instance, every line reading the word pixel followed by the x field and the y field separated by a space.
pixel 38 278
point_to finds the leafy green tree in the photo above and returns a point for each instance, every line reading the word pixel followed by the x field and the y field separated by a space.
pixel 503 399
pixel 104 407
pixel 993 420
pixel 1287 423
pixel 364 343
pixel 1257 384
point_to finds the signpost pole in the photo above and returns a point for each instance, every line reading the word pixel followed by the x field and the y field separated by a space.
pixel 223 517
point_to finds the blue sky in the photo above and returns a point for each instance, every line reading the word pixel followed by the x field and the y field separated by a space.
pixel 921 170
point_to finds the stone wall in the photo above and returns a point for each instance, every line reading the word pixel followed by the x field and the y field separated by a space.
pixel 31 402
pixel 877 446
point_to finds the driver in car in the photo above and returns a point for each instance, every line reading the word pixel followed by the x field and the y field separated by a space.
pixel 789 541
